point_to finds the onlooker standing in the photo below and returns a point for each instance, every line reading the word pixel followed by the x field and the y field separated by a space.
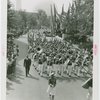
pixel 27 64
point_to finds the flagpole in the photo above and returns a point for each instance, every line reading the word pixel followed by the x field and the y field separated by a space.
pixel 52 25
pixel 55 19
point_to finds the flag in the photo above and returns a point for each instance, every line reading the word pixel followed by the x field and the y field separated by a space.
pixel 55 11
pixel 62 13
pixel 55 19
pixel 52 24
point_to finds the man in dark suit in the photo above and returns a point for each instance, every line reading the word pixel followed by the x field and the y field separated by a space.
pixel 27 64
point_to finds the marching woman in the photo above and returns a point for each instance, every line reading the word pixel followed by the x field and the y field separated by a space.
pixel 40 62
pixel 44 59
pixel 35 64
pixel 60 65
pixel 51 87
pixel 69 68
pixel 66 64
pixel 63 66
pixel 49 66
pixel 56 61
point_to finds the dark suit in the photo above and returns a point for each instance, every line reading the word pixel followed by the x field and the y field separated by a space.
pixel 27 64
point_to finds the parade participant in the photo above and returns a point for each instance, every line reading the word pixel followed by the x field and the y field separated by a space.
pixel 34 56
pixel 40 65
pixel 66 64
pixel 44 59
pixel 78 68
pixel 29 49
pixel 55 48
pixel 51 87
pixel 76 65
pixel 61 65
pixel 49 66
pixel 55 65
pixel 70 68
pixel 36 60
pixel 73 63
pixel 27 64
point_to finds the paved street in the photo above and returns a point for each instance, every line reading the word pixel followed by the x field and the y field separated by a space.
pixel 34 87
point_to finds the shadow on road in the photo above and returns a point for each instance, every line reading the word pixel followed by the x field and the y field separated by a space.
pixel 30 76
pixel 69 79
pixel 17 76
pixel 14 79
pixel 8 85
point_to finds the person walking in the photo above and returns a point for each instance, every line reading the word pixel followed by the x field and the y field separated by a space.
pixel 27 64
pixel 51 87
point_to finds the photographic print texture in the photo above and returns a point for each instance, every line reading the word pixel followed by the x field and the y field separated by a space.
pixel 49 49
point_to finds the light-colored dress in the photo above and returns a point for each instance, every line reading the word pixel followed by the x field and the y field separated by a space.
pixel 51 90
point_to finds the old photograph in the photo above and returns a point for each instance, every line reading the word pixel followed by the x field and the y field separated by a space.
pixel 49 50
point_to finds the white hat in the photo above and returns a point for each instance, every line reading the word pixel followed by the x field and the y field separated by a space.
pixel 52 73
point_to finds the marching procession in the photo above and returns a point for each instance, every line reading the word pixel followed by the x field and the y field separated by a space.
pixel 55 58
pixel 60 57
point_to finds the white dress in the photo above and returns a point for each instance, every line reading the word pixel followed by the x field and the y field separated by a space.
pixel 51 90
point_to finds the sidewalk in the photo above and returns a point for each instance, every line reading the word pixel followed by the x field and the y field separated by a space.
pixel 20 87
pixel 23 88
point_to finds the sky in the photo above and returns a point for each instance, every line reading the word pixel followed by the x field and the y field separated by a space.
pixel 34 5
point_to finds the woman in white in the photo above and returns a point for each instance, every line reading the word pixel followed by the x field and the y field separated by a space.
pixel 51 87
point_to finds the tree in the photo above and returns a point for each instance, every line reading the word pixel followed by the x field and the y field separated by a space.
pixel 79 21
pixel 31 21
pixel 10 16
pixel 43 19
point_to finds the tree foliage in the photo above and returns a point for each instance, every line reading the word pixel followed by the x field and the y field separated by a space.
pixel 79 21
pixel 10 16
pixel 20 22
pixel 43 19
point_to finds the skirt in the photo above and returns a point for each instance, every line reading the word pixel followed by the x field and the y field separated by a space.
pixel 51 90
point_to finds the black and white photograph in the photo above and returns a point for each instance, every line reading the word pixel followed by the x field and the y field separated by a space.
pixel 49 50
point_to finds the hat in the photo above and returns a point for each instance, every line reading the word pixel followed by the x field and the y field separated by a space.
pixel 52 73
